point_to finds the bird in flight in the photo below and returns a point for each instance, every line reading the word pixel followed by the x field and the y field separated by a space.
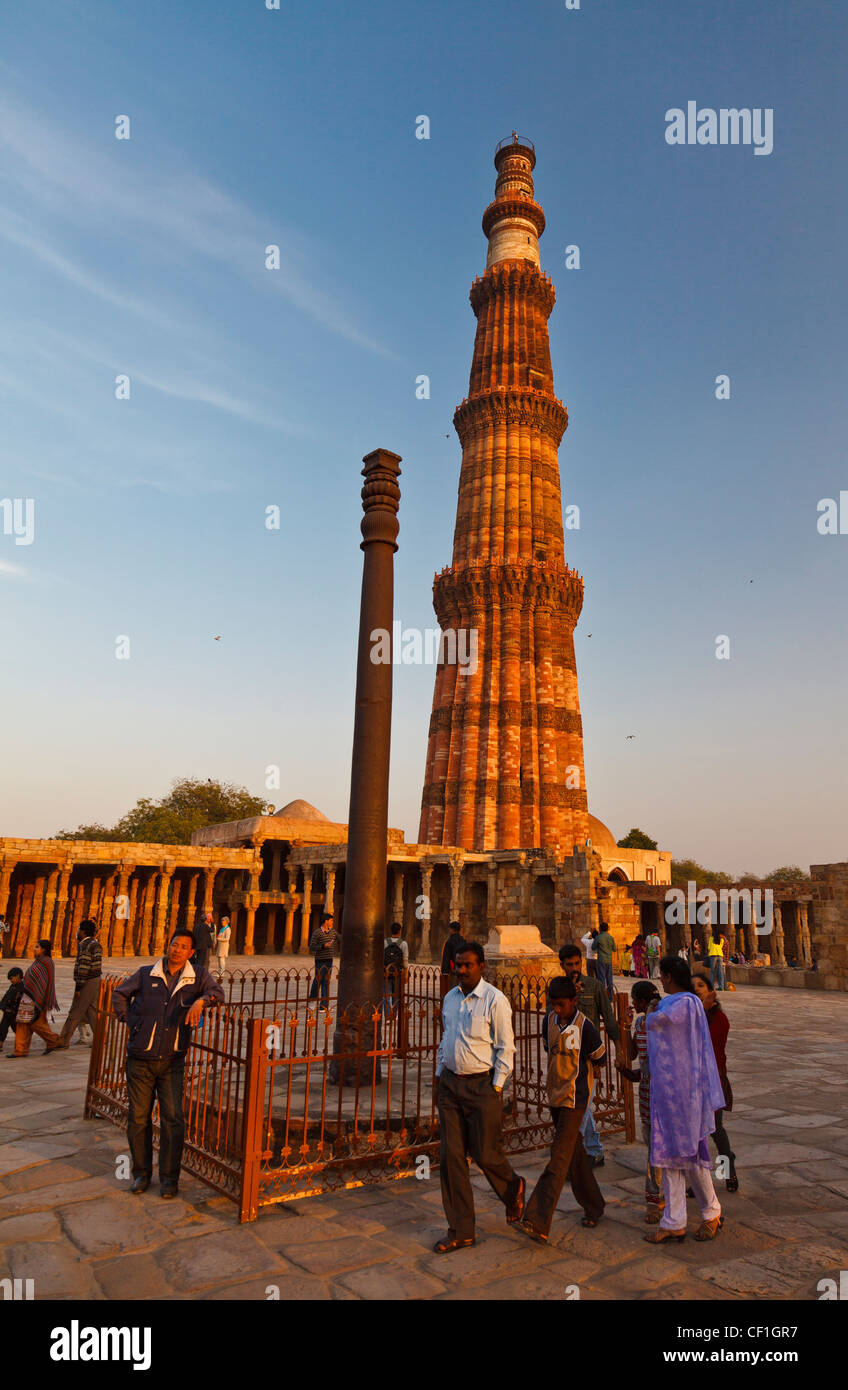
pixel 217 639
pixel 629 736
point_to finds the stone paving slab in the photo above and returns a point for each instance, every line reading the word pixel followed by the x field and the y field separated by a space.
pixel 66 1222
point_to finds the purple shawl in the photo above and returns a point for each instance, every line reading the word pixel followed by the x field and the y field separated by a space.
pixel 685 1087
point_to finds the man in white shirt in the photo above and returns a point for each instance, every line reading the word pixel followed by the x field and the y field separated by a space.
pixel 591 956
pixel 473 1065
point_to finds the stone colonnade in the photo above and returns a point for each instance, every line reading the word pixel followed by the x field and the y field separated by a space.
pixel 681 923
pixel 136 893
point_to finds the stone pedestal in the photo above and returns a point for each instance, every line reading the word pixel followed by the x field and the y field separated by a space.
pixel 516 953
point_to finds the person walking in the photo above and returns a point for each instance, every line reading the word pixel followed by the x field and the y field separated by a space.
pixel 685 1094
pixel 204 939
pixel 643 993
pixel 473 1064
pixel 605 949
pixel 591 959
pixel 222 946
pixel 715 958
pixel 161 1003
pixel 87 971
pixel 321 944
pixel 719 1026
pixel 594 1002
pixel 395 963
pixel 653 946
pixel 454 943
pixel 38 1000
pixel 10 1001
pixel 574 1047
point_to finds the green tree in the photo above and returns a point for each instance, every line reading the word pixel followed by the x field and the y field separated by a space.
pixel 684 870
pixel 637 839
pixel 190 805
pixel 788 873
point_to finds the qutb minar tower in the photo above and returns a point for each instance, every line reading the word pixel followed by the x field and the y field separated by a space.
pixel 505 752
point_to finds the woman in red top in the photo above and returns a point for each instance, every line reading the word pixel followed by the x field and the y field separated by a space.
pixel 719 1025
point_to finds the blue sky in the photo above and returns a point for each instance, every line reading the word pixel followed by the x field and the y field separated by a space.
pixel 251 388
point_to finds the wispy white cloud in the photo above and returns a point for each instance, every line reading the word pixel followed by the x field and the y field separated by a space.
pixel 174 209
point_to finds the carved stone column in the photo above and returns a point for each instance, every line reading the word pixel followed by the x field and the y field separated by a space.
pixel 424 947
pixel 804 932
pixel 776 945
pixel 69 936
pixel 456 880
pixel 162 908
pixel 62 902
pixel 251 903
pixel 208 889
pixel 191 900
pixel 50 903
pixel 38 894
pixel 146 938
pixel 114 922
pixel 330 888
pixel 397 898
pixel 307 910
pixel 288 936
pixel 174 916
pixel 249 925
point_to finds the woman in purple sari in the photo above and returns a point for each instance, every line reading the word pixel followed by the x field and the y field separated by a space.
pixel 685 1093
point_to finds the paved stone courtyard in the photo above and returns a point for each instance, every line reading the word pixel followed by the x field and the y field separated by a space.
pixel 66 1223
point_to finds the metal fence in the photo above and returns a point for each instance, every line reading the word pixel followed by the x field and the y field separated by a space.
pixel 285 1099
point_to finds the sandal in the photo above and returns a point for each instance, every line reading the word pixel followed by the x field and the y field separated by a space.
pixel 708 1230
pixel 449 1243
pixel 590 1220
pixel 532 1232
pixel 732 1184
pixel 660 1237
pixel 653 1216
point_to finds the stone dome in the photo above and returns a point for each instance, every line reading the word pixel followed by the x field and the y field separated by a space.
pixel 301 810
pixel 603 840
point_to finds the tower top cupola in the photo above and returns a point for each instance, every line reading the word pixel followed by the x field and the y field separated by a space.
pixel 514 222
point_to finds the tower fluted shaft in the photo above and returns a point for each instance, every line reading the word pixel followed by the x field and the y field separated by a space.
pixel 505 750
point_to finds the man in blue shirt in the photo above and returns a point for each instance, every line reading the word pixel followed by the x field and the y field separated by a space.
pixel 473 1065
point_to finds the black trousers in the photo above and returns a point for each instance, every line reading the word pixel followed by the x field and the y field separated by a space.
pixel 146 1082
pixel 568 1160
pixel 7 1021
pixel 470 1119
pixel 722 1141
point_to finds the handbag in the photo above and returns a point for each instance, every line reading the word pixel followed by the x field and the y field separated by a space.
pixel 28 1010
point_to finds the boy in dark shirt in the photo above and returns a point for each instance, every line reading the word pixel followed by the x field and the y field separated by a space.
pixel 574 1047
pixel 10 1001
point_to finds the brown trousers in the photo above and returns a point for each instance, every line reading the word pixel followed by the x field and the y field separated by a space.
pixel 568 1160
pixel 41 1028
pixel 470 1118
pixel 83 1009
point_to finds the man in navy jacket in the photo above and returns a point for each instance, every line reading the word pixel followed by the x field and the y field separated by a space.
pixel 161 1004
